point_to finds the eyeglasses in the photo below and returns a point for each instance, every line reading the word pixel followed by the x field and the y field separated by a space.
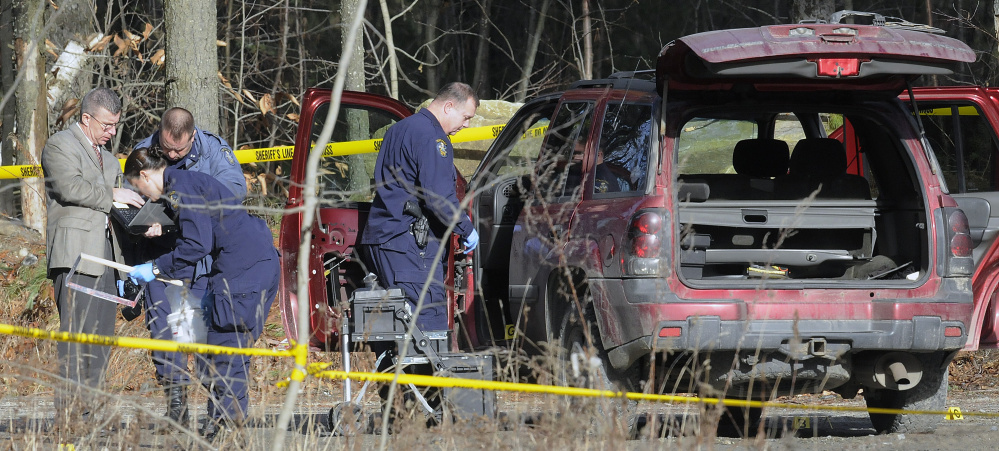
pixel 104 127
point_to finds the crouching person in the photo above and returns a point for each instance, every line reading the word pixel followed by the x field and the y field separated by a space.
pixel 243 278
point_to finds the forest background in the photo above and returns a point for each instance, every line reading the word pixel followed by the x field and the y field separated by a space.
pixel 242 65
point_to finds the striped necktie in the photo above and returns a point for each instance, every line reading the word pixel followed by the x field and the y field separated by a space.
pixel 100 158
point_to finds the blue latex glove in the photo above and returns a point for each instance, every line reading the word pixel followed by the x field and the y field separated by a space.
pixel 471 241
pixel 121 287
pixel 143 272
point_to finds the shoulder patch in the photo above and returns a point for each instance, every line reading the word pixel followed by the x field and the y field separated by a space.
pixel 174 199
pixel 229 156
pixel 442 147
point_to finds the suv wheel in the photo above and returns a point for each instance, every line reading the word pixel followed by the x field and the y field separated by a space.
pixel 582 361
pixel 930 394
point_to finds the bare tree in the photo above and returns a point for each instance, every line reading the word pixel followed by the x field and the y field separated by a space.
pixel 587 42
pixel 532 50
pixel 192 62
pixel 479 78
pixel 357 121
pixel 390 47
pixel 32 119
pixel 8 143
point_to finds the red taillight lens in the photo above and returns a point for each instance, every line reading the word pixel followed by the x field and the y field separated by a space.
pixel 645 246
pixel 958 222
pixel 647 223
pixel 961 245
pixel 960 242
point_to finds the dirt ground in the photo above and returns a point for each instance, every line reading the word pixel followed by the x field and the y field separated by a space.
pixel 132 415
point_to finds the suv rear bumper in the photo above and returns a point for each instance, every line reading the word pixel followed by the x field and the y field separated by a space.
pixel 801 326
pixel 922 333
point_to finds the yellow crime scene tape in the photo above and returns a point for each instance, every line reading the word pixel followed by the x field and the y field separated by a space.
pixel 320 370
pixel 246 156
pixel 140 343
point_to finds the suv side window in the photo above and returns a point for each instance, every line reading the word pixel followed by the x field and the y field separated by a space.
pixel 964 144
pixel 560 168
pixel 350 177
pixel 623 155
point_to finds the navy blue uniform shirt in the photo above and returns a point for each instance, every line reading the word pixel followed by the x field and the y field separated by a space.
pixel 212 222
pixel 416 163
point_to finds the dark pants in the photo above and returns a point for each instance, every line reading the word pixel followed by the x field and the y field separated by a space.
pixel 401 264
pixel 82 365
pixel 225 375
pixel 236 320
pixel 171 367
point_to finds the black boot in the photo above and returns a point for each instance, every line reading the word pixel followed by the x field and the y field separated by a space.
pixel 213 429
pixel 177 404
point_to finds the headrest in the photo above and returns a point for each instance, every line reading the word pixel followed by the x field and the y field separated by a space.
pixel 761 157
pixel 818 157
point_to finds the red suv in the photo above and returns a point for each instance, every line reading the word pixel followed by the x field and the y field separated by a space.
pixel 759 216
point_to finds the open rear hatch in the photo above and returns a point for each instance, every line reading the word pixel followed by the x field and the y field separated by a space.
pixel 835 56
pixel 765 116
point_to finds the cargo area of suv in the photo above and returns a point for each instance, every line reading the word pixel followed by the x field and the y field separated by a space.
pixel 765 193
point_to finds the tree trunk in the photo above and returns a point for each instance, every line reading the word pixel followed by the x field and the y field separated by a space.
pixel 32 116
pixel 69 28
pixel 8 144
pixel 587 42
pixel 191 59
pixel 812 10
pixel 532 52
pixel 480 79
pixel 390 42
pixel 357 120
pixel 995 15
pixel 430 37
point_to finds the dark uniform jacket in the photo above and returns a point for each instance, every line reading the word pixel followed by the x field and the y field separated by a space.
pixel 212 222
pixel 415 163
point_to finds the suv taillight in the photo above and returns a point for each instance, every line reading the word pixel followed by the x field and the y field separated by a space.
pixel 645 243
pixel 957 259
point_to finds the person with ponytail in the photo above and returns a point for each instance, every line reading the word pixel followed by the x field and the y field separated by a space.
pixel 242 281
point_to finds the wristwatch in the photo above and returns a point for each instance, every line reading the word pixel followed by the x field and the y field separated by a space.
pixel 156 269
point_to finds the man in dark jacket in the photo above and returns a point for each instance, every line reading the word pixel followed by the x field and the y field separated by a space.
pixel 416 164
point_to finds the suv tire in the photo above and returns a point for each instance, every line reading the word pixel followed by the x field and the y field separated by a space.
pixel 930 394
pixel 582 362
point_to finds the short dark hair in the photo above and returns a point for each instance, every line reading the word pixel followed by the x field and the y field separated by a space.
pixel 100 98
pixel 457 92
pixel 177 122
pixel 144 158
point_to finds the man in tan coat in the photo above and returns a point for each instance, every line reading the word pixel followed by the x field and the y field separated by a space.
pixel 80 176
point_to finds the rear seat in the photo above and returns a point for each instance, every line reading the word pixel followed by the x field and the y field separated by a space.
pixel 820 164
pixel 756 163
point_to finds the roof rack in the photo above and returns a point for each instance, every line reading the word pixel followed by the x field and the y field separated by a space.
pixel 647 73
pixel 883 21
